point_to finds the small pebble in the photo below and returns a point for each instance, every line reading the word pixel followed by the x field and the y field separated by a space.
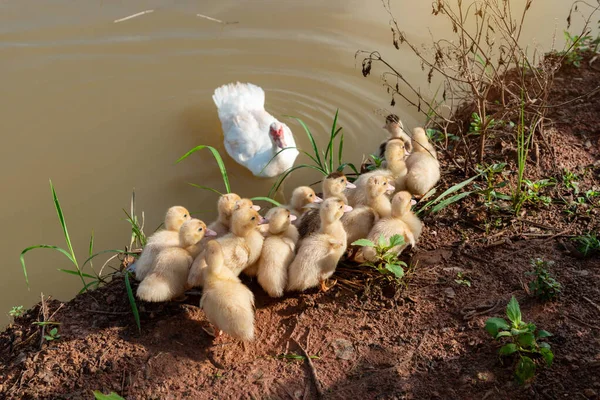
pixel 450 293
pixel 590 393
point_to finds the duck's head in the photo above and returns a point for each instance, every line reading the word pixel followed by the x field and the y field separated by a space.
pixel 226 204
pixel 214 256
pixel 175 217
pixel 332 209
pixel 279 219
pixel 303 195
pixel 245 203
pixel 401 203
pixel 193 231
pixel 245 220
pixel 378 185
pixel 276 134
pixel 392 123
pixel 395 150
pixel 335 183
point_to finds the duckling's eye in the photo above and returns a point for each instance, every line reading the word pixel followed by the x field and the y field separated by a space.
pixel 253 218
pixel 341 207
pixel 383 183
pixel 310 195
pixel 184 215
pixel 342 180
pixel 199 229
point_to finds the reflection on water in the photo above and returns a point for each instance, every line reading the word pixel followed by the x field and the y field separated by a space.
pixel 102 108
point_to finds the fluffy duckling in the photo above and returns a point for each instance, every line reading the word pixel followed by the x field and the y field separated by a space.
pixel 227 302
pixel 301 197
pixel 225 207
pixel 333 185
pixel 278 251
pixel 170 268
pixel 241 247
pixel 359 221
pixel 319 253
pixel 396 171
pixel 168 237
pixel 396 129
pixel 395 225
pixel 423 166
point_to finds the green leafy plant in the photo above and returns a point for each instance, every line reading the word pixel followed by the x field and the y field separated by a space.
pixel 570 180
pixel 490 192
pixel 377 161
pixel 52 335
pixel 386 258
pixel 521 339
pixel 322 161
pixel 462 279
pixel 576 46
pixel 98 395
pixel 477 125
pixel 544 286
pixel 16 311
pixel 588 244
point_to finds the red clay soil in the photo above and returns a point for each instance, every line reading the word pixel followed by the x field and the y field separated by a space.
pixel 422 341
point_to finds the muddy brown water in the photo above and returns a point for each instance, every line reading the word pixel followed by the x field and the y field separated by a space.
pixel 102 107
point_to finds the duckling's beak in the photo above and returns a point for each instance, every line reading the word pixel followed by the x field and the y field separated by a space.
pixel 413 202
pixel 293 217
pixel 210 232
pixel 406 153
pixel 263 221
pixel 390 188
pixel 350 185
pixel 317 200
pixel 256 208
pixel 347 208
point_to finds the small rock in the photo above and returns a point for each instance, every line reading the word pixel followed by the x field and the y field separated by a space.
pixel 582 272
pixel 453 269
pixel 590 393
pixel 343 349
pixel 450 293
pixel 587 144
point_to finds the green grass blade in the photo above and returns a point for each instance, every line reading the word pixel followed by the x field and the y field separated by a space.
pixel 349 165
pixel 88 285
pixel 449 201
pixel 456 187
pixel 283 176
pixel 91 248
pixel 42 246
pixel 205 188
pixel 267 199
pixel 287 148
pixel 63 224
pixel 137 233
pixel 114 251
pixel 329 150
pixel 311 139
pixel 134 309
pixel 72 272
pixel 217 157
pixel 341 149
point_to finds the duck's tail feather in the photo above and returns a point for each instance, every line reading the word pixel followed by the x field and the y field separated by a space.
pixel 235 97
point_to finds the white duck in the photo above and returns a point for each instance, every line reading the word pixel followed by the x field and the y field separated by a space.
pixel 252 135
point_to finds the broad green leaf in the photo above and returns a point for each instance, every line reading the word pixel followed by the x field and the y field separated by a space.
pixel 525 369
pixel 382 242
pixel 513 311
pixel 395 269
pixel 217 157
pixel 544 345
pixel 516 332
pixel 48 338
pixel 503 334
pixel 493 325
pixel 363 242
pixel 526 340
pixel 396 240
pixel 134 309
pixel 53 331
pixel 507 349
pixel 542 334
pixel 112 396
pixel 548 355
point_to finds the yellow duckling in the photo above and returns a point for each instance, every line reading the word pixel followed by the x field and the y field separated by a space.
pixel 423 166
pixel 301 197
pixel 396 129
pixel 225 207
pixel 241 247
pixel 168 237
pixel 333 186
pixel 395 225
pixel 360 220
pixel 319 253
pixel 227 302
pixel 278 251
pixel 170 269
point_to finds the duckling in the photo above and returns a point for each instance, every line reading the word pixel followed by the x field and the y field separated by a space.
pixel 396 171
pixel 319 253
pixel 227 302
pixel 225 207
pixel 168 237
pixel 359 221
pixel 423 166
pixel 395 225
pixel 301 197
pixel 278 251
pixel 169 272
pixel 241 247
pixel 396 129
pixel 333 186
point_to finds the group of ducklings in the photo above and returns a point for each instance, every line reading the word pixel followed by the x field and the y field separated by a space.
pixel 294 247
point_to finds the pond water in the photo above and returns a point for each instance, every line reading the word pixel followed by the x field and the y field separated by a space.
pixel 102 107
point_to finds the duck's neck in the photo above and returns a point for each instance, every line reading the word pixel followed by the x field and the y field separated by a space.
pixel 395 132
pixel 327 193
pixel 332 228
pixel 381 205
pixel 224 219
